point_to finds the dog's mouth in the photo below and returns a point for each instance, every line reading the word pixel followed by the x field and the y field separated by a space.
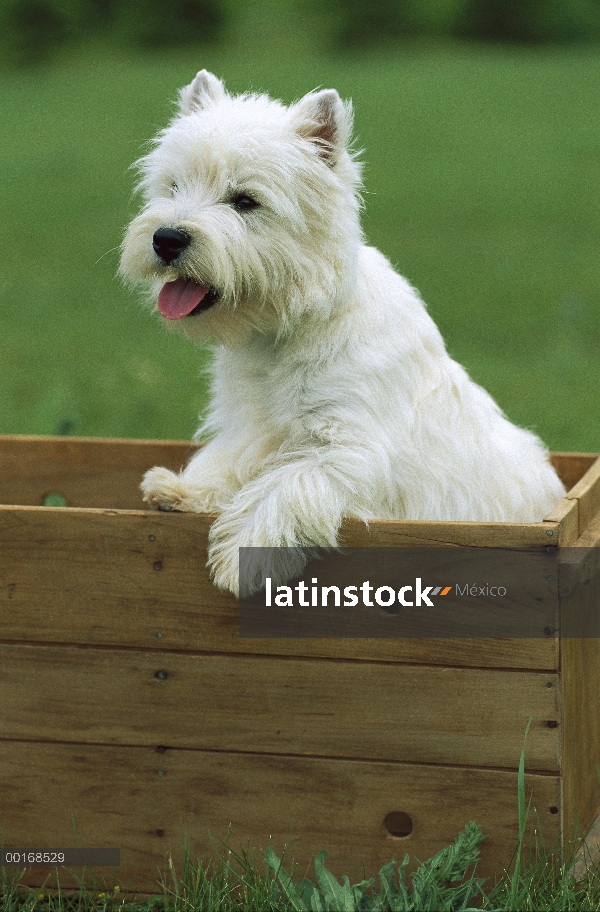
pixel 185 298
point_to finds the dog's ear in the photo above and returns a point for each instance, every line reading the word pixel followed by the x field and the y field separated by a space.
pixel 203 91
pixel 324 119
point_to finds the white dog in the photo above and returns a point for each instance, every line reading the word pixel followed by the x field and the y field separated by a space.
pixel 333 393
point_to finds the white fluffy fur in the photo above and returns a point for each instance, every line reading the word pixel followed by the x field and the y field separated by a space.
pixel 333 393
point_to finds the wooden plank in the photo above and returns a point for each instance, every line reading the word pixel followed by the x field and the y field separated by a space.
pixel 88 472
pixel 580 664
pixel 570 467
pixel 139 579
pixel 587 494
pixel 391 533
pixel 591 537
pixel 280 705
pixel 144 802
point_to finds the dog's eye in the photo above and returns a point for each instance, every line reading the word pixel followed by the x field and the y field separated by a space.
pixel 242 202
pixel 173 188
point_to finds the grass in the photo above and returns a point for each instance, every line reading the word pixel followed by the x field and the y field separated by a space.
pixel 238 881
pixel 482 187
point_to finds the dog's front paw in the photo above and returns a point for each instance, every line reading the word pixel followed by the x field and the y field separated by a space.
pixel 280 565
pixel 165 490
pixel 244 572
pixel 224 569
pixel 161 489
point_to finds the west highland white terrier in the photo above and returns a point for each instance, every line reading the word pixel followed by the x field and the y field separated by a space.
pixel 333 395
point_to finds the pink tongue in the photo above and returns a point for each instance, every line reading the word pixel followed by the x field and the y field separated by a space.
pixel 178 299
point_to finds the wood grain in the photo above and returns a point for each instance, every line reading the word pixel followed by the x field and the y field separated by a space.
pixel 389 533
pixel 123 578
pixel 587 494
pixel 88 472
pixel 580 672
pixel 279 705
pixel 571 467
pixel 119 797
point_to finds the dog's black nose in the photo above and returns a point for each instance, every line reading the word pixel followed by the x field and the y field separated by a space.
pixel 168 243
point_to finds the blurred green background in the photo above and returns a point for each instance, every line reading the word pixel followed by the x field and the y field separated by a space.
pixel 481 129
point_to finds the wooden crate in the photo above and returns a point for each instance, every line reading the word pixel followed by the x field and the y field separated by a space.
pixel 129 703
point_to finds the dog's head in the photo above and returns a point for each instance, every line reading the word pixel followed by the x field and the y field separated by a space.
pixel 251 216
